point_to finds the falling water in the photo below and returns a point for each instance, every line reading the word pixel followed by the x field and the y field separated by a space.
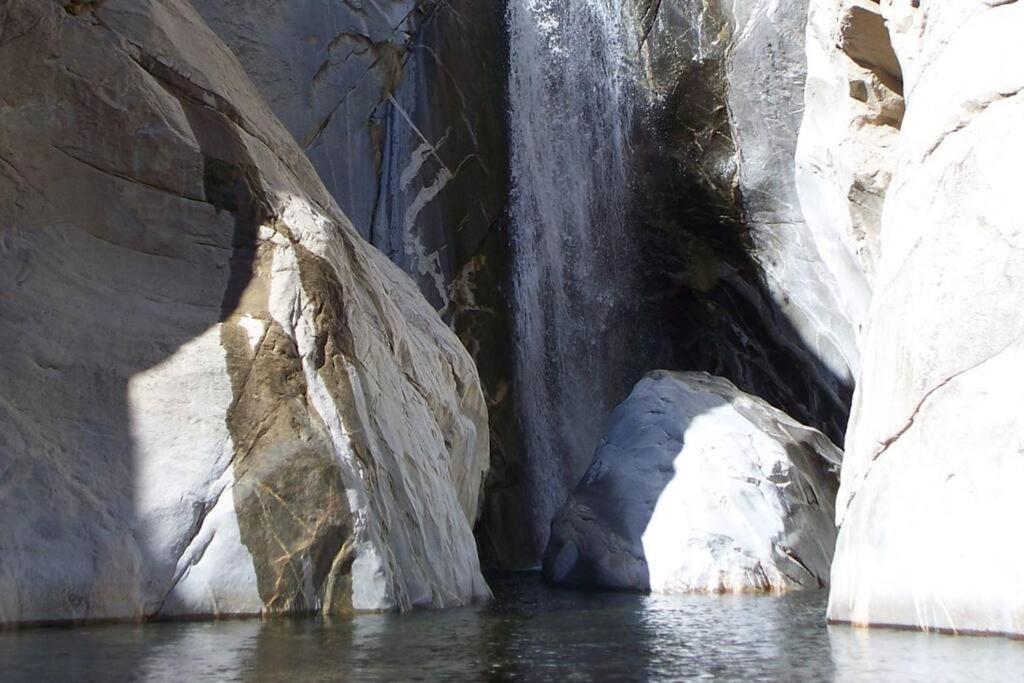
pixel 576 321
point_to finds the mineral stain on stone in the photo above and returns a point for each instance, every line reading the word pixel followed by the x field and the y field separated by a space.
pixel 289 497
pixel 290 501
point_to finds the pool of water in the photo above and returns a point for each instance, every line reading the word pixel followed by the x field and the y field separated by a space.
pixel 529 632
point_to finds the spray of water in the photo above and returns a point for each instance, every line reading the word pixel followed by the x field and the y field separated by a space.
pixel 572 97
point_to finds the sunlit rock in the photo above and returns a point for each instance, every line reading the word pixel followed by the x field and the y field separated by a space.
pixel 844 161
pixel 216 398
pixel 930 503
pixel 698 487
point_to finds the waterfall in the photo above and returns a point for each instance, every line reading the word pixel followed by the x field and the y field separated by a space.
pixel 571 91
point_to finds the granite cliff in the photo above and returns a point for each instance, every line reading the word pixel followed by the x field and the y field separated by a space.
pixel 218 399
pixel 400 107
pixel 296 297
pixel 908 145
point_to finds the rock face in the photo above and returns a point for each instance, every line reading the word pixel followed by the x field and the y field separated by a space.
pixel 400 106
pixel 929 503
pixel 853 112
pixel 698 487
pixel 217 398
pixel 744 291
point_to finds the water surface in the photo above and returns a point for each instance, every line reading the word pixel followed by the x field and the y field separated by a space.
pixel 529 632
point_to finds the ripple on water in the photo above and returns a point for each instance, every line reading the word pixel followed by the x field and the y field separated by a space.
pixel 530 632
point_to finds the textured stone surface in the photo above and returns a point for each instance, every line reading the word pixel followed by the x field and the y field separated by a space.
pixel 400 106
pixel 852 117
pixel 217 398
pixel 698 487
pixel 930 499
pixel 744 292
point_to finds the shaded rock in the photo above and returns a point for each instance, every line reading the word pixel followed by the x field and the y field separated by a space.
pixel 742 290
pixel 391 102
pixel 217 398
pixel 400 106
pixel 929 503
pixel 698 487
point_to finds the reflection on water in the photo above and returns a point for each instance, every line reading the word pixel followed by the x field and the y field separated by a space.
pixel 528 633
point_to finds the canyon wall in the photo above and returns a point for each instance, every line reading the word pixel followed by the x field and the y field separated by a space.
pixel 928 503
pixel 677 239
pixel 400 107
pixel 217 398
pixel 743 290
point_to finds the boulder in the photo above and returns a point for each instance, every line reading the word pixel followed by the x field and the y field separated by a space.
pixel 400 106
pixel 217 398
pixel 930 497
pixel 699 487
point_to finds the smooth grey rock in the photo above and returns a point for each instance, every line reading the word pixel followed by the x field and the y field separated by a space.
pixel 930 500
pixel 399 107
pixel 217 399
pixel 698 487
pixel 845 158
pixel 325 67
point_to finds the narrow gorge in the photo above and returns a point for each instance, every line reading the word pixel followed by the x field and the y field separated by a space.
pixel 615 326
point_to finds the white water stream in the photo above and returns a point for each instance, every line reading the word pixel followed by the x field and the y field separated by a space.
pixel 571 90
